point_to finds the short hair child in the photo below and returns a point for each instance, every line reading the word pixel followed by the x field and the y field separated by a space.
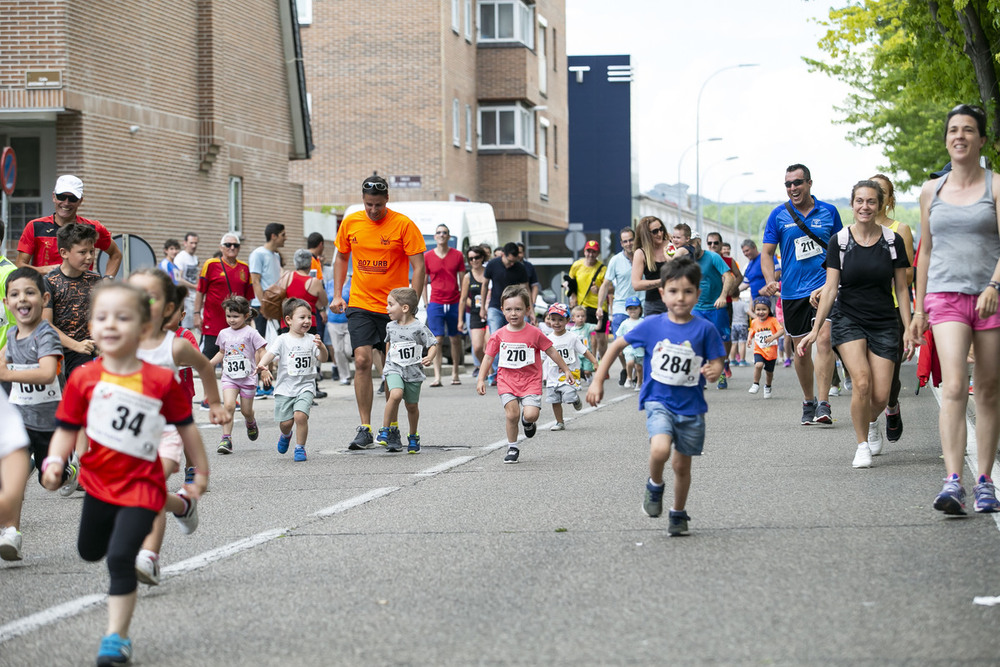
pixel 70 286
pixel 560 389
pixel 406 296
pixel 75 233
pixel 762 341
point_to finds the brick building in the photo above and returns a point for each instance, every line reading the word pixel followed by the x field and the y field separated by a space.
pixel 450 100
pixel 177 115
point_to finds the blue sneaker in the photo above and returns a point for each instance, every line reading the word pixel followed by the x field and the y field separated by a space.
pixel 114 651
pixel 383 437
pixel 678 523
pixel 413 443
pixel 283 441
pixel 986 496
pixel 723 383
pixel 263 393
pixel 652 504
pixel 951 500
pixel 300 453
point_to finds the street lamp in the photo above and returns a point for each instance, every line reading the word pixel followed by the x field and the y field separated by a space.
pixel 697 135
pixel 679 162
pixel 719 200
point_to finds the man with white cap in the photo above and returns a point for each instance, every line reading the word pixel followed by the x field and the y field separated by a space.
pixel 38 246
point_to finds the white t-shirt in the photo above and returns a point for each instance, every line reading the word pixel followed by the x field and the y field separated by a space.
pixel 570 348
pixel 296 358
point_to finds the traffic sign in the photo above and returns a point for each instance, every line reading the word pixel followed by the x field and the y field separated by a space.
pixel 8 170
pixel 575 241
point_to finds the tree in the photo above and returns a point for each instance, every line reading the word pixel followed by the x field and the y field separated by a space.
pixel 908 61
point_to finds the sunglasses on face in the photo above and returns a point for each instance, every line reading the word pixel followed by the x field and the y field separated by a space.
pixel 796 183
pixel 658 230
pixel 373 185
pixel 474 257
pixel 712 243
pixel 65 196
pixel 231 245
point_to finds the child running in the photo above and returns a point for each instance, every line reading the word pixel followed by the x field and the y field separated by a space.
pixel 583 330
pixel 240 350
pixel 682 353
pixel 519 372
pixel 162 347
pixel 765 330
pixel 14 473
pixel 560 388
pixel 32 365
pixel 293 390
pixel 405 342
pixel 123 404
pixel 633 355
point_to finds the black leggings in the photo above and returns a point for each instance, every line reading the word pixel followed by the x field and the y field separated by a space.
pixel 896 384
pixel 117 532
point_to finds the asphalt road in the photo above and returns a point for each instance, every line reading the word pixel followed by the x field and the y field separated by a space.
pixel 450 557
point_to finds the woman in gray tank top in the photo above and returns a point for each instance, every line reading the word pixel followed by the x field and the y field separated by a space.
pixel 958 280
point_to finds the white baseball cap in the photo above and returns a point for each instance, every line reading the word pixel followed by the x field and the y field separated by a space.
pixel 69 184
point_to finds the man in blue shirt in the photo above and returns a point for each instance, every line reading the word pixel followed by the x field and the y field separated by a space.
pixel 753 277
pixel 802 272
pixel 717 281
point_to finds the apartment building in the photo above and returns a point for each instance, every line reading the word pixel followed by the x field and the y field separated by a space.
pixel 450 100
pixel 178 116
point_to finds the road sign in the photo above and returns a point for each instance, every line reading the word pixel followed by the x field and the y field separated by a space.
pixel 8 170
pixel 575 241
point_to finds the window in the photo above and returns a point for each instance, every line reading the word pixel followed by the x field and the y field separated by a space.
pixel 507 127
pixel 456 129
pixel 455 19
pixel 555 146
pixel 555 54
pixel 506 21
pixel 236 204
pixel 543 64
pixel 304 9
pixel 543 158
pixel 468 127
pixel 468 20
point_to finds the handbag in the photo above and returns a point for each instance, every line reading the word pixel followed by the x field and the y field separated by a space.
pixel 273 298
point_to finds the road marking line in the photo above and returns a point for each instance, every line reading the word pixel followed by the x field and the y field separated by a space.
pixel 225 551
pixel 345 505
pixel 51 615
pixel 442 467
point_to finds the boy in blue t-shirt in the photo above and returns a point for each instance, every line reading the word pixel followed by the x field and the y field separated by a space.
pixel 682 353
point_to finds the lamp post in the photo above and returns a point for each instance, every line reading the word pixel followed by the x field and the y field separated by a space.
pixel 719 200
pixel 679 162
pixel 697 135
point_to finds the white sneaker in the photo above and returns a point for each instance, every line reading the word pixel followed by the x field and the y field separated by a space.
pixel 188 521
pixel 863 457
pixel 874 438
pixel 558 426
pixel 754 388
pixel 67 489
pixel 147 567
pixel 10 543
pixel 767 392
pixel 834 391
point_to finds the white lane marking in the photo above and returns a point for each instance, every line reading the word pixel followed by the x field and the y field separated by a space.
pixel 225 551
pixel 51 615
pixel 442 467
pixel 971 455
pixel 345 505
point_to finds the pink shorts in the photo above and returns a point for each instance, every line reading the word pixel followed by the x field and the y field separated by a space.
pixel 246 386
pixel 944 307
pixel 171 445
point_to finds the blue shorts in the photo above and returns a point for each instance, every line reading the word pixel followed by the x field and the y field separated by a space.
pixel 616 321
pixel 686 431
pixel 442 319
pixel 719 317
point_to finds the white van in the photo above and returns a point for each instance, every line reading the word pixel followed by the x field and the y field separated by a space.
pixel 470 223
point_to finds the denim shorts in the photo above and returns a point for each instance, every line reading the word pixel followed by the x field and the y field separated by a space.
pixel 686 431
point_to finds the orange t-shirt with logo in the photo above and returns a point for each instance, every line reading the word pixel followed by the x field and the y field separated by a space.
pixel 380 252
pixel 758 331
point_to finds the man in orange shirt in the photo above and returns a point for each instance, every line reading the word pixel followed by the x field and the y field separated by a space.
pixel 384 245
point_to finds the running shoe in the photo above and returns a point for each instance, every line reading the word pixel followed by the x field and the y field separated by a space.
pixel 788 362
pixel 652 502
pixel 678 523
pixel 512 454
pixel 834 391
pixel 203 406
pixel 147 567
pixel 529 429
pixel 754 388
pixel 10 543
pixel 263 393
pixel 189 520
pixel 578 404
pixel 300 453
pixel 986 496
pixel 381 388
pixel 848 386
pixel 252 430
pixel 395 442
pixel 225 445
pixel 767 392
pixel 383 437
pixel 413 443
pixel 622 377
pixel 189 475
pixel 320 394
pixel 874 438
pixel 335 374
pixel 558 426
pixel 283 441
pixel 726 370
pixel 823 413
pixel 363 439
pixel 72 474
pixel 723 383
pixel 808 412
pixel 862 457
pixel 893 425
pixel 951 500
pixel 114 651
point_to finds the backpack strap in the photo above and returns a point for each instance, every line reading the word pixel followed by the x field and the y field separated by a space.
pixel 890 239
pixel 843 238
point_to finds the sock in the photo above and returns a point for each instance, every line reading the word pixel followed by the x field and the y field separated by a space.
pixel 152 554
pixel 227 436
pixel 985 479
pixel 252 422
pixel 511 445
pixel 652 483
pixel 892 411
pixel 767 386
pixel 187 505
pixel 394 425
pixel 367 427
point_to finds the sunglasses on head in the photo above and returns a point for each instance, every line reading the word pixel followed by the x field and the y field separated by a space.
pixel 796 183
pixel 65 196
pixel 374 185
pixel 230 245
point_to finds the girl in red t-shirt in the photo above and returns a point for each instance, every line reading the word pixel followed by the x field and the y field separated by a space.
pixel 123 404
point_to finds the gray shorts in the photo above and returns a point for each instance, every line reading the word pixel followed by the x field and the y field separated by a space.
pixel 532 400
pixel 285 407
pixel 562 393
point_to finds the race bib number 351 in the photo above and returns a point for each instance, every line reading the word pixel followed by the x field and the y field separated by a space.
pixel 675 365
pixel 300 362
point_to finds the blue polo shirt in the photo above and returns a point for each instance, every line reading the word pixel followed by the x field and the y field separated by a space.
pixel 801 259
pixel 712 269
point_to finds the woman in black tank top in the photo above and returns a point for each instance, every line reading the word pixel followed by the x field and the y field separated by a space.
pixel 650 256
pixel 472 298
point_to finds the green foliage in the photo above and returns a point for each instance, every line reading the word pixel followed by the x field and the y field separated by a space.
pixel 906 70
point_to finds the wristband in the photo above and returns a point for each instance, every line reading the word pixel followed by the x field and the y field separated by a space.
pixel 919 314
pixel 994 284
pixel 53 459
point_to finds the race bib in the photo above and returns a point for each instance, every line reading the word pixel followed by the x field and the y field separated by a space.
pixel 236 366
pixel 33 394
pixel 516 355
pixel 3 316
pixel 568 354
pixel 300 362
pixel 404 353
pixel 761 339
pixel 806 247
pixel 675 365
pixel 479 301
pixel 125 421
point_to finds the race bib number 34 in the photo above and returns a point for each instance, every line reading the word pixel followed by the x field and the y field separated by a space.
pixel 125 421
pixel 675 365
pixel 516 355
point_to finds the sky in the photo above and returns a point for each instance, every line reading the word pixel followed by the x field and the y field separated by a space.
pixel 769 116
